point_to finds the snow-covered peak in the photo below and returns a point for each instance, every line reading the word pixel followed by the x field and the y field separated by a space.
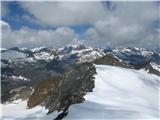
pixel 81 53
pixel 36 49
pixel 134 50
pixel 144 51
pixel 69 48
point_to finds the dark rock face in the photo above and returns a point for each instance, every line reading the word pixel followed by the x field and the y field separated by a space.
pixel 75 84
pixel 57 94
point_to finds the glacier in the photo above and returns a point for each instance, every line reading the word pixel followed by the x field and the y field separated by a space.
pixel 119 93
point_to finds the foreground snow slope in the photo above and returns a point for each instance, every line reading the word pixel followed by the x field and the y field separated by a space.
pixel 118 93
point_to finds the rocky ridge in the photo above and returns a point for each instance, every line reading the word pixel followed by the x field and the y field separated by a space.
pixel 59 93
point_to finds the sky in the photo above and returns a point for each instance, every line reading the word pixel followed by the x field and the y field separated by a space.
pixel 95 24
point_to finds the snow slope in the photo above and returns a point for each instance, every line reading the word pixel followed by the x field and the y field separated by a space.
pixel 18 111
pixel 119 93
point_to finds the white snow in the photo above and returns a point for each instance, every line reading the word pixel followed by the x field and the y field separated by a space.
pixel 155 66
pixel 90 56
pixel 144 51
pixel 18 111
pixel 20 77
pixel 81 51
pixel 141 51
pixel 85 55
pixel 125 50
pixel 36 49
pixel 43 56
pixel 2 49
pixel 119 93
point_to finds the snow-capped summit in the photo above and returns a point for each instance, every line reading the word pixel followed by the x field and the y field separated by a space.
pixel 80 53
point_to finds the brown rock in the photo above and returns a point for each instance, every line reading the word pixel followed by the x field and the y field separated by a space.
pixel 42 90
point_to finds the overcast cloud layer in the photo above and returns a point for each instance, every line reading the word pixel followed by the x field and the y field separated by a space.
pixel 120 24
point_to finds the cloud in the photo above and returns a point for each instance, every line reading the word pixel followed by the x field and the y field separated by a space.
pixel 26 37
pixel 117 24
pixel 130 24
pixel 65 13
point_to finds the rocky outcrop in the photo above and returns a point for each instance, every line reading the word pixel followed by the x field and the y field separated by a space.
pixel 58 94
pixel 43 90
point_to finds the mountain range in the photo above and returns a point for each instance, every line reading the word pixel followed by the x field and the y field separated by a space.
pixel 39 72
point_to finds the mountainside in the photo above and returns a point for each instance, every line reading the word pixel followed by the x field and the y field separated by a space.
pixel 25 67
pixel 71 53
pixel 59 78
pixel 137 57
pixel 119 93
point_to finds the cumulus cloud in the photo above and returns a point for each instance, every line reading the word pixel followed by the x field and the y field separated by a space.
pixel 65 13
pixel 26 37
pixel 130 24
pixel 117 24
